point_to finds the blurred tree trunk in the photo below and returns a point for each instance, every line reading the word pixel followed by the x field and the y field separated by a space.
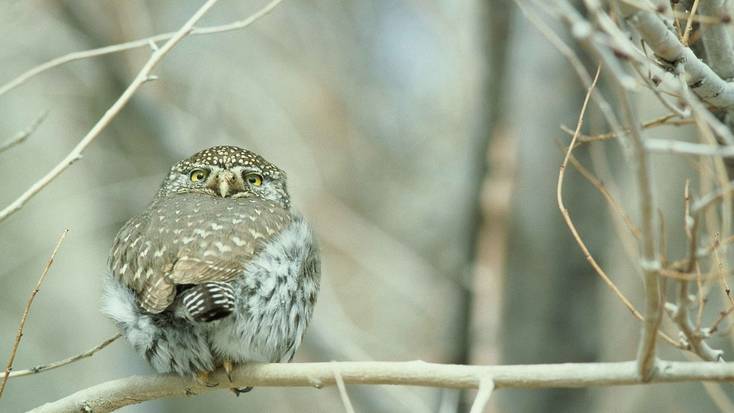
pixel 549 311
pixel 493 166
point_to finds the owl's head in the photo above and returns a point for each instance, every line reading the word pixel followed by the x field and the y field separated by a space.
pixel 227 171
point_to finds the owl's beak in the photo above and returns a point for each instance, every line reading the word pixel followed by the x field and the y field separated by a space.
pixel 225 184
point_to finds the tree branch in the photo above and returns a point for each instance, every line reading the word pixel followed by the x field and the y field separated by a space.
pixel 112 395
pixel 143 76
pixel 688 148
pixel 648 260
pixel 21 136
pixel 703 81
pixel 135 44
pixel 60 363
pixel 486 387
pixel 717 41
pixel 27 311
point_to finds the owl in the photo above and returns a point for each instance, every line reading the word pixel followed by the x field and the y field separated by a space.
pixel 217 271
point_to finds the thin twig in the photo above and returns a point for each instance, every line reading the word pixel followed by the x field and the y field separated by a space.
pixel 665 120
pixel 342 389
pixel 720 271
pixel 710 198
pixel 689 23
pixel 21 136
pixel 680 313
pixel 599 185
pixel 27 311
pixel 572 226
pixel 722 316
pixel 486 387
pixel 701 299
pixel 102 123
pixel 56 364
pixel 135 44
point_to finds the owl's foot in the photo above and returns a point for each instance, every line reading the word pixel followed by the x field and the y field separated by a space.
pixel 202 377
pixel 228 367
pixel 238 391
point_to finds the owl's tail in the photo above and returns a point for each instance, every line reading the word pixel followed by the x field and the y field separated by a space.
pixel 208 301
pixel 169 343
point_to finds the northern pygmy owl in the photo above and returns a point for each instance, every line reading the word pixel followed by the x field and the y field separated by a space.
pixel 218 270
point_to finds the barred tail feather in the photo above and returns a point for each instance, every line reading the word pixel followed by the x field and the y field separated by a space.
pixel 209 301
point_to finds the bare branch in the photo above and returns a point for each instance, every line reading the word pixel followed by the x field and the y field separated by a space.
pixel 486 387
pixel 704 82
pixel 56 364
pixel 112 395
pixel 689 23
pixel 717 41
pixel 21 136
pixel 688 148
pixel 709 199
pixel 135 44
pixel 27 311
pixel 572 226
pixel 102 123
pixel 342 390
pixel 648 260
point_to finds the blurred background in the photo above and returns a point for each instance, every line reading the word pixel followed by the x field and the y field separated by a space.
pixel 421 138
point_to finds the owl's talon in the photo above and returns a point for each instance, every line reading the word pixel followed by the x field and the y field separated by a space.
pixel 228 367
pixel 202 378
pixel 238 391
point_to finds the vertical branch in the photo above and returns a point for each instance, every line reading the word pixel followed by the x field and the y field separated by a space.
pixel 689 23
pixel 648 261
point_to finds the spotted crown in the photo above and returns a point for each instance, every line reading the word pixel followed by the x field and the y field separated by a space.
pixel 229 157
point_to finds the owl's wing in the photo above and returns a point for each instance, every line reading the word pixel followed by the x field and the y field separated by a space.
pixel 153 253
pixel 226 258
pixel 191 270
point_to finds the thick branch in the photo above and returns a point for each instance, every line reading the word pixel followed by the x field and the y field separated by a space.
pixel 701 78
pixel 717 40
pixel 115 394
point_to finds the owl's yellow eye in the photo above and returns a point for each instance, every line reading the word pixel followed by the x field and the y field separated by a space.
pixel 254 179
pixel 198 175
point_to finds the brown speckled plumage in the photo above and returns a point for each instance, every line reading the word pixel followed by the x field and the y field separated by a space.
pixel 179 240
